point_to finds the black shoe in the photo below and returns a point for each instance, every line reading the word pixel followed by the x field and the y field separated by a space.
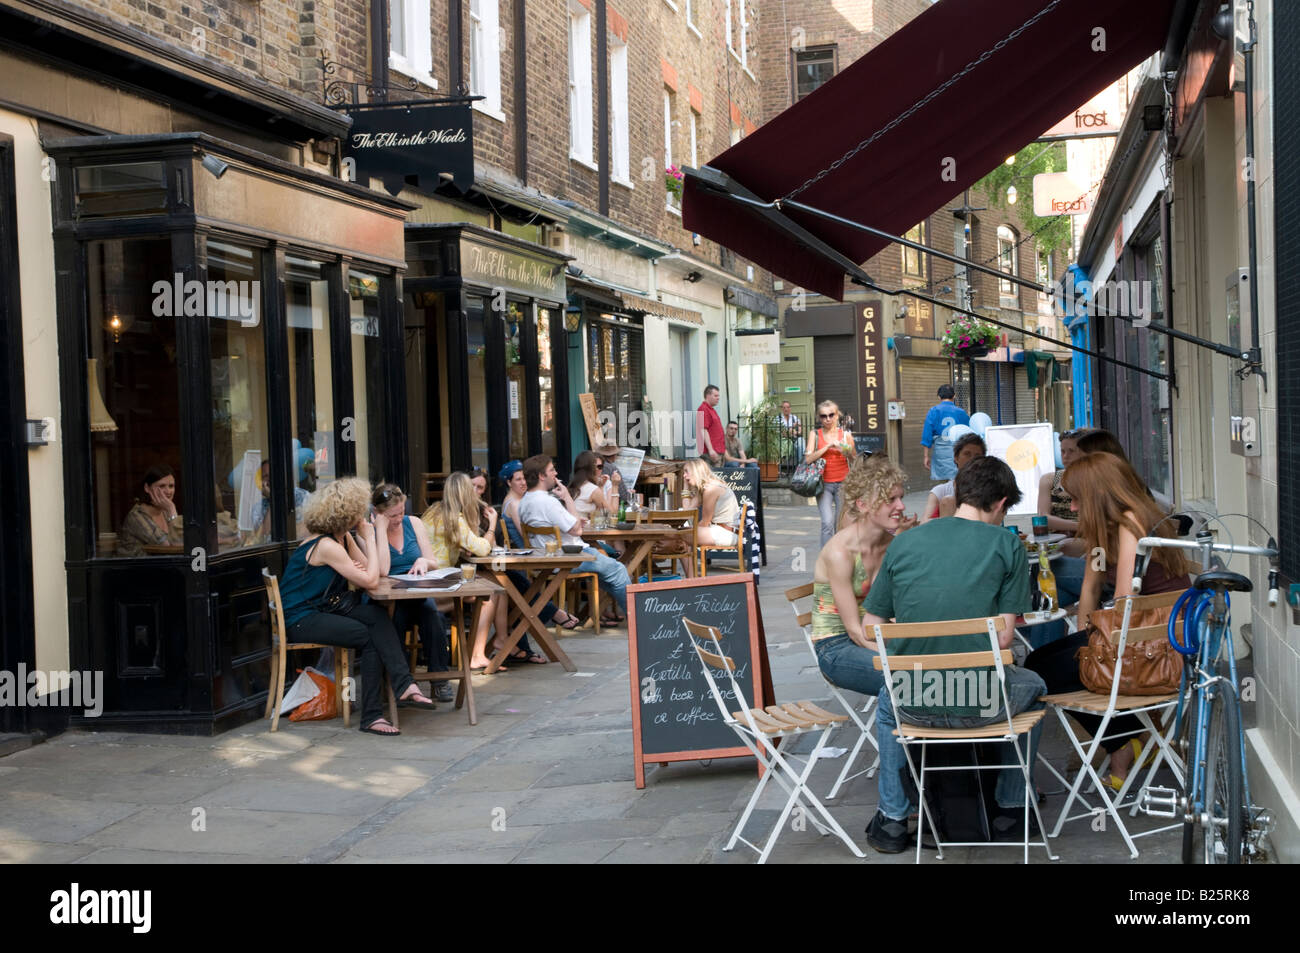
pixel 1008 824
pixel 887 835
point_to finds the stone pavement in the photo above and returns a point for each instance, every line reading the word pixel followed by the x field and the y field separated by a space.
pixel 545 777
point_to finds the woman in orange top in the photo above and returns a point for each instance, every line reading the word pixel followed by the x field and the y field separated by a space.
pixel 836 446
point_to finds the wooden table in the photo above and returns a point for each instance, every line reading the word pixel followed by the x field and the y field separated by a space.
pixel 551 571
pixel 640 542
pixel 480 590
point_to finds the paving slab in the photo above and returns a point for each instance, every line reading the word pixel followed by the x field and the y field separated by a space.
pixel 129 855
pixel 228 831
pixel 57 819
pixel 352 799
pixel 568 852
pixel 459 858
pixel 388 844
pixel 22 851
pixel 499 775
pixel 600 829
pixel 458 811
pixel 677 850
pixel 576 803
pixel 122 788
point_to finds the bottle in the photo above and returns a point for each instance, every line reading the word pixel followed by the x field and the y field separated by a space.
pixel 1046 580
pixel 622 511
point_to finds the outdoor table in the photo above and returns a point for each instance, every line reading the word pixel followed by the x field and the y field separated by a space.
pixel 479 590
pixel 640 542
pixel 552 569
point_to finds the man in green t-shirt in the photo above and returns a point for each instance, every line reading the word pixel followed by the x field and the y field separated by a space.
pixel 964 566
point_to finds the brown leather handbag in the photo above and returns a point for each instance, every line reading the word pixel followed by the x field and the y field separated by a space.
pixel 1150 667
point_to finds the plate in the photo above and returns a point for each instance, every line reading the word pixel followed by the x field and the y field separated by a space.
pixel 624 525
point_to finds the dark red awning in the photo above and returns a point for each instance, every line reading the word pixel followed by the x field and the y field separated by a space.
pixel 1070 51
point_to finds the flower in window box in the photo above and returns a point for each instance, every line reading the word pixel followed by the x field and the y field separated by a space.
pixel 673 179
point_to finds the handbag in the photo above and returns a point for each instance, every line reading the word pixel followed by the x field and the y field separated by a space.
pixel 807 477
pixel 338 598
pixel 1150 667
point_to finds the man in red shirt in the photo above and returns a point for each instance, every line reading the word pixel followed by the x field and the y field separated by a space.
pixel 710 439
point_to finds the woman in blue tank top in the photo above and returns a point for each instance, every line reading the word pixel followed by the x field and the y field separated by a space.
pixel 409 551
pixel 335 513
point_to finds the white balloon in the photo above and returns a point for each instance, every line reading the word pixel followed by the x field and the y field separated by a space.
pixel 955 431
pixel 980 422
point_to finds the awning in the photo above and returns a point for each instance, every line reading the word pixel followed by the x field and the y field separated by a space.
pixel 924 115
pixel 659 309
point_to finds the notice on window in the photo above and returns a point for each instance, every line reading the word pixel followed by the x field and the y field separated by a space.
pixel 249 491
pixel 514 400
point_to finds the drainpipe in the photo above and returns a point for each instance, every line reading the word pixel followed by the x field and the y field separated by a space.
pixel 1254 364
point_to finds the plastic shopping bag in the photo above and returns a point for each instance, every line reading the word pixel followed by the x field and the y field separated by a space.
pixel 301 691
pixel 324 706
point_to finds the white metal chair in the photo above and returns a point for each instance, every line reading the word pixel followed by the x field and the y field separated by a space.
pixel 1007 729
pixel 1109 706
pixel 759 729
pixel 864 719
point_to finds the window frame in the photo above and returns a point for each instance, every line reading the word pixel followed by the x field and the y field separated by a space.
pixel 1008 291
pixel 485 66
pixel 831 48
pixel 581 138
pixel 417 61
pixel 668 148
pixel 620 119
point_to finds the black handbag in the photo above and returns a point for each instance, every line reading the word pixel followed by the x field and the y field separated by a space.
pixel 339 599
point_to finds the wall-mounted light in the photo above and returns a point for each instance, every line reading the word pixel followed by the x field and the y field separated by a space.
pixel 692 276
pixel 1012 194
pixel 572 318
pixel 215 166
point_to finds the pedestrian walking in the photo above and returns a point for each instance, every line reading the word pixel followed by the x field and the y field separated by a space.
pixel 835 444
pixel 938 448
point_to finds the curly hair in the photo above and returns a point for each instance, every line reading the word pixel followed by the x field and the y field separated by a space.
pixel 336 507
pixel 871 479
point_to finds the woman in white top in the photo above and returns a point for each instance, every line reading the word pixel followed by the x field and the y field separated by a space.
pixel 943 498
pixel 590 487
pixel 719 520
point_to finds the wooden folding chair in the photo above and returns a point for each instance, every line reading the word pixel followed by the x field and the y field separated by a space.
pixel 593 581
pixel 703 549
pixel 759 729
pixel 867 727
pixel 1005 729
pixel 684 520
pixel 280 646
pixel 1109 706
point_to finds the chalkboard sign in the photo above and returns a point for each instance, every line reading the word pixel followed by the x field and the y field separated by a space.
pixel 744 483
pixel 674 715
pixel 868 443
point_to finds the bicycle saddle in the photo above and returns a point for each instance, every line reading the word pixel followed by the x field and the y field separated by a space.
pixel 1222 579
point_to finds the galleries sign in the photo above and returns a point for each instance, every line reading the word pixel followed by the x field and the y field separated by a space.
pixel 395 142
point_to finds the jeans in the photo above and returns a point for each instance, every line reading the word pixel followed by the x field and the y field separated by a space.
pixel 613 575
pixel 828 504
pixel 1023 689
pixel 733 463
pixel 433 631
pixel 367 629
pixel 849 665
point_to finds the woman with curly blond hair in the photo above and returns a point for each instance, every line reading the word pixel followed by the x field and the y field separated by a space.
pixel 346 544
pixel 873 515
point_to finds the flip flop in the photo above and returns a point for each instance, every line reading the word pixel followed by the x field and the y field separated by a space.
pixel 370 729
pixel 414 702
pixel 483 668
pixel 573 622
pixel 532 657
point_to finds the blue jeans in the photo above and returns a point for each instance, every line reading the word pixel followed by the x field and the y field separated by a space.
pixel 828 504
pixel 733 463
pixel 849 665
pixel 1023 689
pixel 613 575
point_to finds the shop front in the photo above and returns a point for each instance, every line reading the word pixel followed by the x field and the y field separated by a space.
pixel 484 345
pixel 230 323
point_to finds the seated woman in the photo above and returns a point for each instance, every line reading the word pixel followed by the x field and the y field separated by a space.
pixel 594 491
pixel 847 565
pixel 715 501
pixel 512 475
pixel 344 545
pixel 449 523
pixel 409 551
pixel 1053 501
pixel 155 521
pixel 943 499
pixel 1114 512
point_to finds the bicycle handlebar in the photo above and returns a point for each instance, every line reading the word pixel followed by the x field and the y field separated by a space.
pixel 1205 546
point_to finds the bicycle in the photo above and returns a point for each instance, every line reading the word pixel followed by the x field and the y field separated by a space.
pixel 1215 795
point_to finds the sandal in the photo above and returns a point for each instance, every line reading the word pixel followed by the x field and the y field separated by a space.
pixel 522 656
pixel 373 728
pixel 572 622
pixel 417 699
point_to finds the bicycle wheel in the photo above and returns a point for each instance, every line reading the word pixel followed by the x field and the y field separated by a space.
pixel 1225 788
pixel 1183 744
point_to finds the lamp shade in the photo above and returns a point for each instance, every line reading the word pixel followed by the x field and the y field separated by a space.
pixel 100 419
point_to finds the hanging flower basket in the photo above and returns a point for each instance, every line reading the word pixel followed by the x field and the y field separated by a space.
pixel 968 337
pixel 673 178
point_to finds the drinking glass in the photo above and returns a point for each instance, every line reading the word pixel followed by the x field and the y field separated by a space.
pixel 469 571
pixel 552 546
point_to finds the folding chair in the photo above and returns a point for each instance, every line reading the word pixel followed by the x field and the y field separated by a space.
pixel 1007 730
pixel 1108 706
pixel 280 647
pixel 759 729
pixel 867 728
pixel 684 520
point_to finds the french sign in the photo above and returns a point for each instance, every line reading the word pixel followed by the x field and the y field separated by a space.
pixel 1058 193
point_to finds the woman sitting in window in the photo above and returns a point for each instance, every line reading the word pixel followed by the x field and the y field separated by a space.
pixel 154 522
pixel 345 544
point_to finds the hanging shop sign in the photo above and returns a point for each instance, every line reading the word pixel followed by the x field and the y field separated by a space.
pixel 871 380
pixel 759 348
pixel 1099 116
pixel 428 142
pixel 514 270
pixel 1058 193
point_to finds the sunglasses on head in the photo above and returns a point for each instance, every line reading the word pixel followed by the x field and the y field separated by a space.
pixel 385 497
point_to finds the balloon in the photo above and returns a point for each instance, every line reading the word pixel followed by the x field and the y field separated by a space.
pixel 955 431
pixel 1056 444
pixel 980 422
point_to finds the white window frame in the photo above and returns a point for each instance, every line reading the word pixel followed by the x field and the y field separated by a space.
pixel 485 56
pixel 1008 292
pixel 416 60
pixel 695 155
pixel 581 144
pixel 620 123
pixel 744 35
pixel 668 147
pixel 730 41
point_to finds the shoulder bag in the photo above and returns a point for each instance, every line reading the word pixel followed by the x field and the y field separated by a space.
pixel 807 478
pixel 1150 667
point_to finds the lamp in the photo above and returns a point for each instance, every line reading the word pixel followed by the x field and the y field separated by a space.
pixel 101 421
pixel 215 166
pixel 1011 195
pixel 572 316
pixel 692 276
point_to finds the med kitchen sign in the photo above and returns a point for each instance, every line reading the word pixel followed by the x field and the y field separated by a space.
pixel 426 142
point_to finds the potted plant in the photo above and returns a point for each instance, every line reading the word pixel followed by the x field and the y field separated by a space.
pixel 765 439
pixel 673 183
pixel 968 337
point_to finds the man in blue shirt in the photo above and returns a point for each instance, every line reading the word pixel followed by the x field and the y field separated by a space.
pixel 939 418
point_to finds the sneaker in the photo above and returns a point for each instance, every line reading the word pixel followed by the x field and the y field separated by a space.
pixel 1008 825
pixel 887 835
pixel 444 692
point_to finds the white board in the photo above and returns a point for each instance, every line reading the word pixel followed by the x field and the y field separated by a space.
pixel 1027 449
